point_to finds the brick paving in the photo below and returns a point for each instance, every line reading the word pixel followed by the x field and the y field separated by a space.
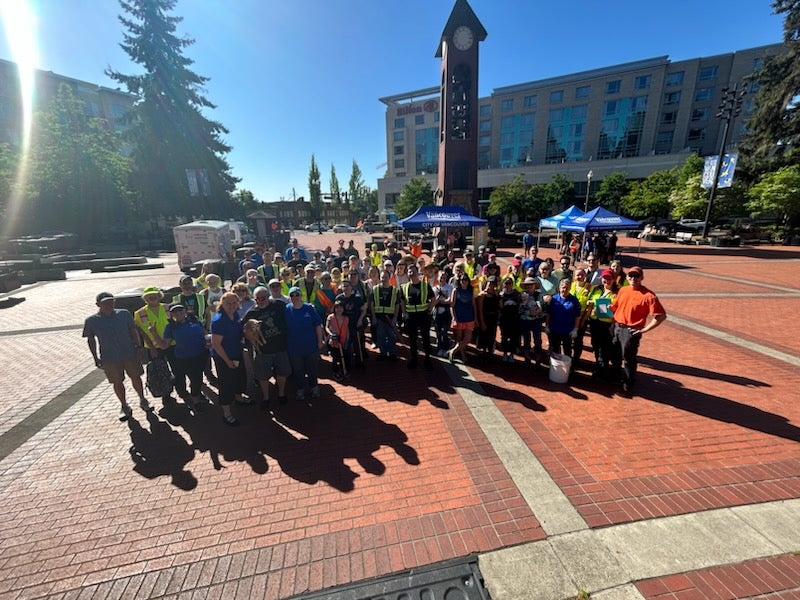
pixel 393 471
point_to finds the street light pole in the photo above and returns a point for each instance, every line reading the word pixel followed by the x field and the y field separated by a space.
pixel 730 107
pixel 586 206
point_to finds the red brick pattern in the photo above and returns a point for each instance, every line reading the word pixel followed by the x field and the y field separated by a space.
pixel 768 578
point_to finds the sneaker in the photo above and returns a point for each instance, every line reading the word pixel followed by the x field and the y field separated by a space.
pixel 124 412
pixel 242 400
pixel 315 391
pixel 144 404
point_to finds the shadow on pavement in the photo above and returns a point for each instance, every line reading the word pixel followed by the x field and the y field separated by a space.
pixel 161 451
pixel 665 367
pixel 310 443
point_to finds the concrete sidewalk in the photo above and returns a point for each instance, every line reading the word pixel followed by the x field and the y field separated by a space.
pixel 687 490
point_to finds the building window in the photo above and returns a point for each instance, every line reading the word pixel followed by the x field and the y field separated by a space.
pixel 576 130
pixel 485 110
pixel 707 73
pixel 399 123
pixel 642 82
pixel 426 149
pixel 506 139
pixel 556 115
pixel 557 96
pixel 526 120
pixel 672 98
pixel 613 87
pixel 529 101
pixel 400 163
pixel 664 141
pixel 399 136
pixel 399 150
pixel 704 95
pixel 582 91
pixel 486 125
pixel 611 107
pixel 758 63
pixel 507 105
pixel 579 112
pixel 507 123
pixel 669 118
pixel 484 159
pixel 436 117
pixel 485 140
pixel 700 114
pixel 696 134
pixel 675 78
pixel 419 119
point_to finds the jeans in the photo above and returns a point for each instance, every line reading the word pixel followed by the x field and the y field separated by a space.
pixel 385 335
pixel 531 328
pixel 419 323
pixel 191 368
pixel 304 365
pixel 442 325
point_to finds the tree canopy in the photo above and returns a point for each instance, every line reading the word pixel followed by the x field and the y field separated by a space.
pixel 416 193
pixel 179 164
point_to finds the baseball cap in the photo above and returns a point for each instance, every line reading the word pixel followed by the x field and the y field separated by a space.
pixel 185 279
pixel 177 307
pixel 309 267
pixel 294 290
pixel 529 281
pixel 274 281
pixel 151 289
pixel 607 273
pixel 104 296
pixel 516 262
pixel 637 270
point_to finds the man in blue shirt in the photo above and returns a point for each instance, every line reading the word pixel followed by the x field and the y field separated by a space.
pixel 119 343
pixel 563 317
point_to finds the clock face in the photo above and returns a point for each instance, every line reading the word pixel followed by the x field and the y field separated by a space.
pixel 463 38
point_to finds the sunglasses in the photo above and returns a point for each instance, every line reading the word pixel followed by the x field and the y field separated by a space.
pixel 633 276
pixel 295 295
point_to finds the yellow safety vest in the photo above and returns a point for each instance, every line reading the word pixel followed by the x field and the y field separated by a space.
pixel 384 310
pixel 145 316
pixel 201 306
pixel 414 308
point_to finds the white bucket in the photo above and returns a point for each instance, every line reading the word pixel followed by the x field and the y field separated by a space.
pixel 560 365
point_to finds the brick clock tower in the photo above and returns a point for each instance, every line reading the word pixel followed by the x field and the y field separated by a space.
pixel 458 134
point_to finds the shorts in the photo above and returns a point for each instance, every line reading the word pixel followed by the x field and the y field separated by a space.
pixel 468 326
pixel 115 371
pixel 264 364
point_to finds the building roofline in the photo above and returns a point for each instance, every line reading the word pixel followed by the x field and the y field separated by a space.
pixel 68 78
pixel 410 96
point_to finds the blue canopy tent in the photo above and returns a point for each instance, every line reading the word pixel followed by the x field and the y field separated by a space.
pixel 600 219
pixel 556 221
pixel 428 217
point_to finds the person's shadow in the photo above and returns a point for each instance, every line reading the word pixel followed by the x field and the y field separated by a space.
pixel 161 451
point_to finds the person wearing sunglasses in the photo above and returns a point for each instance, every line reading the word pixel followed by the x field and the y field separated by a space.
pixel 637 310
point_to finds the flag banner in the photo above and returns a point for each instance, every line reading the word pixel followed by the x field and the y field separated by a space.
pixel 725 173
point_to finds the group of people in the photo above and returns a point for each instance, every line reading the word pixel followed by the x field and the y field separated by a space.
pixel 280 315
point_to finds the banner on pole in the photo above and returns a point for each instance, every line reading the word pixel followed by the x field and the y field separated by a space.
pixel 725 173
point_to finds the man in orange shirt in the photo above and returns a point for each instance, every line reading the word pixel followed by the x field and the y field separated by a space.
pixel 632 307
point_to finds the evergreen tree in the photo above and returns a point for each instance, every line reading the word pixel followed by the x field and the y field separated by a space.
pixel 356 185
pixel 178 154
pixel 314 191
pixel 773 130
pixel 336 193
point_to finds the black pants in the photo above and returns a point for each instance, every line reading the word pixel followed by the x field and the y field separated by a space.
pixel 560 343
pixel 627 345
pixel 601 343
pixel 419 323
pixel 231 381
pixel 178 382
pixel 191 368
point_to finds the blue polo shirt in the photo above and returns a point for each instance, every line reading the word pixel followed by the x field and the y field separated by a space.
pixel 114 334
pixel 189 336
pixel 231 331
pixel 563 312
pixel 301 329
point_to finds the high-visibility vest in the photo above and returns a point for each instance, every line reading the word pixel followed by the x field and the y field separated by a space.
pixel 201 306
pixel 414 308
pixel 384 310
pixel 276 272
pixel 304 291
pixel 144 317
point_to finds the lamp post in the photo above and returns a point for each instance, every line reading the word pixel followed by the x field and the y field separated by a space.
pixel 730 107
pixel 589 176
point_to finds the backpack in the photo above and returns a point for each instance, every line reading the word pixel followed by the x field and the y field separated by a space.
pixel 159 378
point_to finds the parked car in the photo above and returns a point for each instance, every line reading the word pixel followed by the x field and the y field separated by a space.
pixel 691 224
pixel 377 227
pixel 522 227
pixel 317 227
pixel 342 228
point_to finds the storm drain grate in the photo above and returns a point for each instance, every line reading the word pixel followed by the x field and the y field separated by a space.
pixel 457 579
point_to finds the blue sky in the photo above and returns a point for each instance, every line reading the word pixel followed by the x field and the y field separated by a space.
pixel 296 77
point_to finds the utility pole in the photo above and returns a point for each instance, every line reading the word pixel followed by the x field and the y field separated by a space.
pixel 729 108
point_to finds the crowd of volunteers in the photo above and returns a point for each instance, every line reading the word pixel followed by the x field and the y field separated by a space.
pixel 291 306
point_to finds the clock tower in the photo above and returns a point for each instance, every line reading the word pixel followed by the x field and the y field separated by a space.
pixel 458 131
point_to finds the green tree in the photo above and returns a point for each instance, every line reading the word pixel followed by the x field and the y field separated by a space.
pixel 336 193
pixel 689 200
pixel 778 192
pixel 773 130
pixel 77 173
pixel 356 185
pixel 367 205
pixel 9 168
pixel 650 197
pixel 512 198
pixel 612 189
pixel 178 153
pixel 559 193
pixel 245 201
pixel 314 191
pixel 415 193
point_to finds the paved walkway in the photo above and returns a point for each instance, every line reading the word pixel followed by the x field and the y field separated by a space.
pixel 688 490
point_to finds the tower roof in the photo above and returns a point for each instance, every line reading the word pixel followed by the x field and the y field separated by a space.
pixel 462 15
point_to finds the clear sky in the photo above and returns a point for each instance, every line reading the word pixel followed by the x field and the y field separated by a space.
pixel 292 78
